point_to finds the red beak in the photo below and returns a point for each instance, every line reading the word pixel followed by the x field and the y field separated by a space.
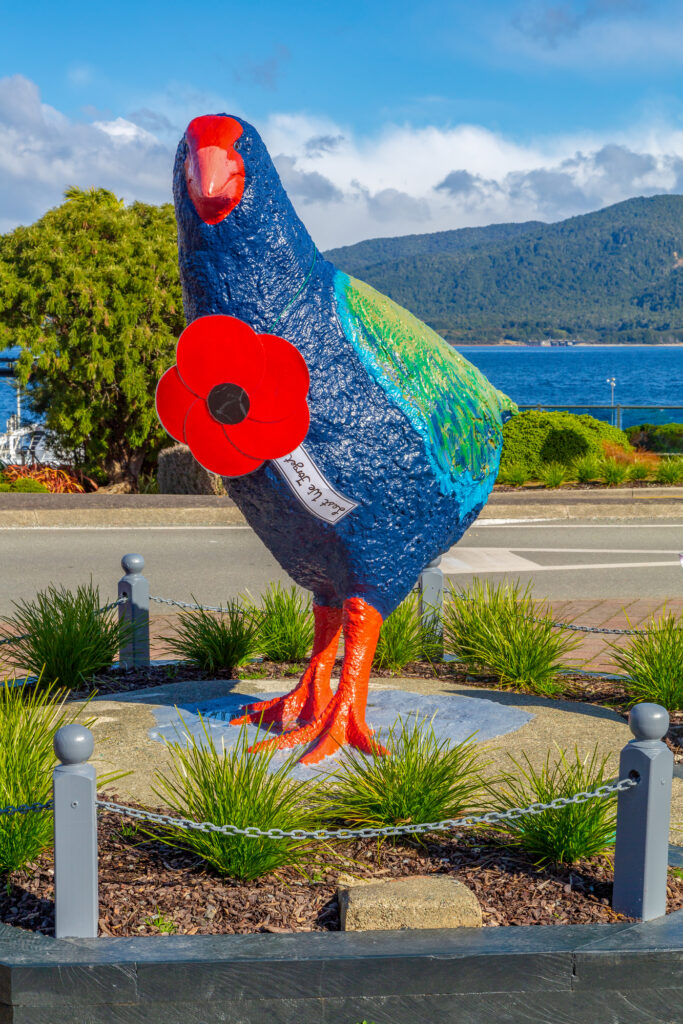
pixel 214 170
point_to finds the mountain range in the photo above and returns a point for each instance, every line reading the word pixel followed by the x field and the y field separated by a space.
pixel 615 275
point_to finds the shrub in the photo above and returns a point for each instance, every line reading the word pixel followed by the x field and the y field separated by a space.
pixel 653 663
pixel 404 637
pixel 639 470
pixel 58 481
pixel 663 437
pixel 500 629
pixel 234 787
pixel 560 836
pixel 62 635
pixel 513 475
pixel 669 471
pixel 613 472
pixel 587 468
pixel 210 641
pixel 532 439
pixel 29 718
pixel 287 624
pixel 424 779
pixel 4 487
pixel 553 474
pixel 29 486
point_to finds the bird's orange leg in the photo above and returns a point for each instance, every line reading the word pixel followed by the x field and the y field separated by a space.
pixel 313 693
pixel 342 722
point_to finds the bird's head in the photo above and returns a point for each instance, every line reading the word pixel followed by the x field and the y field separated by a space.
pixel 213 165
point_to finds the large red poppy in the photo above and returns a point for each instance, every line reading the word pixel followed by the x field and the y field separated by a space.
pixel 235 397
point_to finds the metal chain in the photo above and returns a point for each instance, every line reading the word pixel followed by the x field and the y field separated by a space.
pixel 186 604
pixel 100 611
pixel 26 808
pixel 254 832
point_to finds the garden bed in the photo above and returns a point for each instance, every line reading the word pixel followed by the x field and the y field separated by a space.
pixel 146 888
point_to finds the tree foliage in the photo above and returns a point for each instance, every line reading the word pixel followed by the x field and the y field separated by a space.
pixel 91 294
pixel 535 439
pixel 611 276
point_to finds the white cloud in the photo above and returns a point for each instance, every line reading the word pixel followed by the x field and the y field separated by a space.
pixel 346 187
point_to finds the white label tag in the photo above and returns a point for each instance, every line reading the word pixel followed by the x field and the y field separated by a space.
pixel 311 487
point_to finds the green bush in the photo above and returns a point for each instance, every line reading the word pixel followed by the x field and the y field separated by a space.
pixel 4 487
pixel 638 470
pixel 210 641
pixel 501 629
pixel 664 437
pixel 423 779
pixel 234 787
pixel 669 471
pixel 570 833
pixel 404 638
pixel 26 485
pixel 613 472
pixel 63 636
pixel 653 663
pixel 532 439
pixel 513 475
pixel 29 718
pixel 287 624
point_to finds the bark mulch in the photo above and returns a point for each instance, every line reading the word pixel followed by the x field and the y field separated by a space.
pixel 147 888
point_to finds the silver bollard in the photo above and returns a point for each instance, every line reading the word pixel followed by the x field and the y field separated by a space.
pixel 643 817
pixel 135 611
pixel 74 791
pixel 431 593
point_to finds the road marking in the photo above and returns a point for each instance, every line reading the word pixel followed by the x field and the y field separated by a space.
pixel 127 529
pixel 501 560
pixel 566 525
pixel 604 551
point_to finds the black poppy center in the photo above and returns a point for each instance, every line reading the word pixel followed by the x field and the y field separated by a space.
pixel 228 403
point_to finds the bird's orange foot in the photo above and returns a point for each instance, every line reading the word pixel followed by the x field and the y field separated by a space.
pixel 341 724
pixel 308 700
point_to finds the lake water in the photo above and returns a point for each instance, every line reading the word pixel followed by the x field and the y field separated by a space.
pixel 645 375
pixel 650 375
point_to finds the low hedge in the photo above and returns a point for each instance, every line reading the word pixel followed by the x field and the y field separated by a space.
pixel 532 439
pixel 24 485
pixel 653 437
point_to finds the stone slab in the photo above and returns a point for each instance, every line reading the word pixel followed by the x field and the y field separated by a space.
pixel 429 901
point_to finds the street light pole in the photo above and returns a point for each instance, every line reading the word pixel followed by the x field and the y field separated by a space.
pixel 612 381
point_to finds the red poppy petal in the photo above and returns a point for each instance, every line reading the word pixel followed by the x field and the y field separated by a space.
pixel 284 383
pixel 271 440
pixel 172 401
pixel 218 350
pixel 210 446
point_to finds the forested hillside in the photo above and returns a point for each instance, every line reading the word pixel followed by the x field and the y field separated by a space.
pixel 611 276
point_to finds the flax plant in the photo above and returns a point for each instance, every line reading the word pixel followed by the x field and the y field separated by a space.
pixel 405 637
pixel 234 787
pixel 502 630
pixel 287 625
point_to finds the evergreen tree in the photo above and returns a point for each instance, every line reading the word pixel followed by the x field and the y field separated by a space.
pixel 92 295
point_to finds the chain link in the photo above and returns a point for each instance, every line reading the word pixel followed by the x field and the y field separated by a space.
pixel 252 831
pixel 26 808
pixel 187 604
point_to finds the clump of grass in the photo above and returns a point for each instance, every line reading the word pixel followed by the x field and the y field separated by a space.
pixel 587 469
pixel 669 471
pixel 554 474
pixel 570 833
pixel 405 637
pixel 653 663
pixel 163 924
pixel 515 475
pixel 639 470
pixel 501 629
pixel 29 718
pixel 234 787
pixel 67 638
pixel 614 472
pixel 423 779
pixel 287 624
pixel 212 641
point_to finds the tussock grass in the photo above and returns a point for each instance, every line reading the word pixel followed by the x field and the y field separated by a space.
pixel 500 629
pixel 287 625
pixel 554 474
pixel 68 639
pixel 614 472
pixel 404 637
pixel 211 640
pixel 423 779
pixel 653 663
pixel 669 471
pixel 560 836
pixel 587 469
pixel 234 787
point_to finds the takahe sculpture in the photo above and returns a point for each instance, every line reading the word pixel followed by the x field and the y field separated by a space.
pixel 357 443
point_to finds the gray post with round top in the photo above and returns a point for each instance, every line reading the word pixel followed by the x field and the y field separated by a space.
pixel 643 817
pixel 74 790
pixel 431 592
pixel 134 612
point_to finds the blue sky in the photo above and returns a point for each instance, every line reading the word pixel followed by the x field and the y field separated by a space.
pixel 383 118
